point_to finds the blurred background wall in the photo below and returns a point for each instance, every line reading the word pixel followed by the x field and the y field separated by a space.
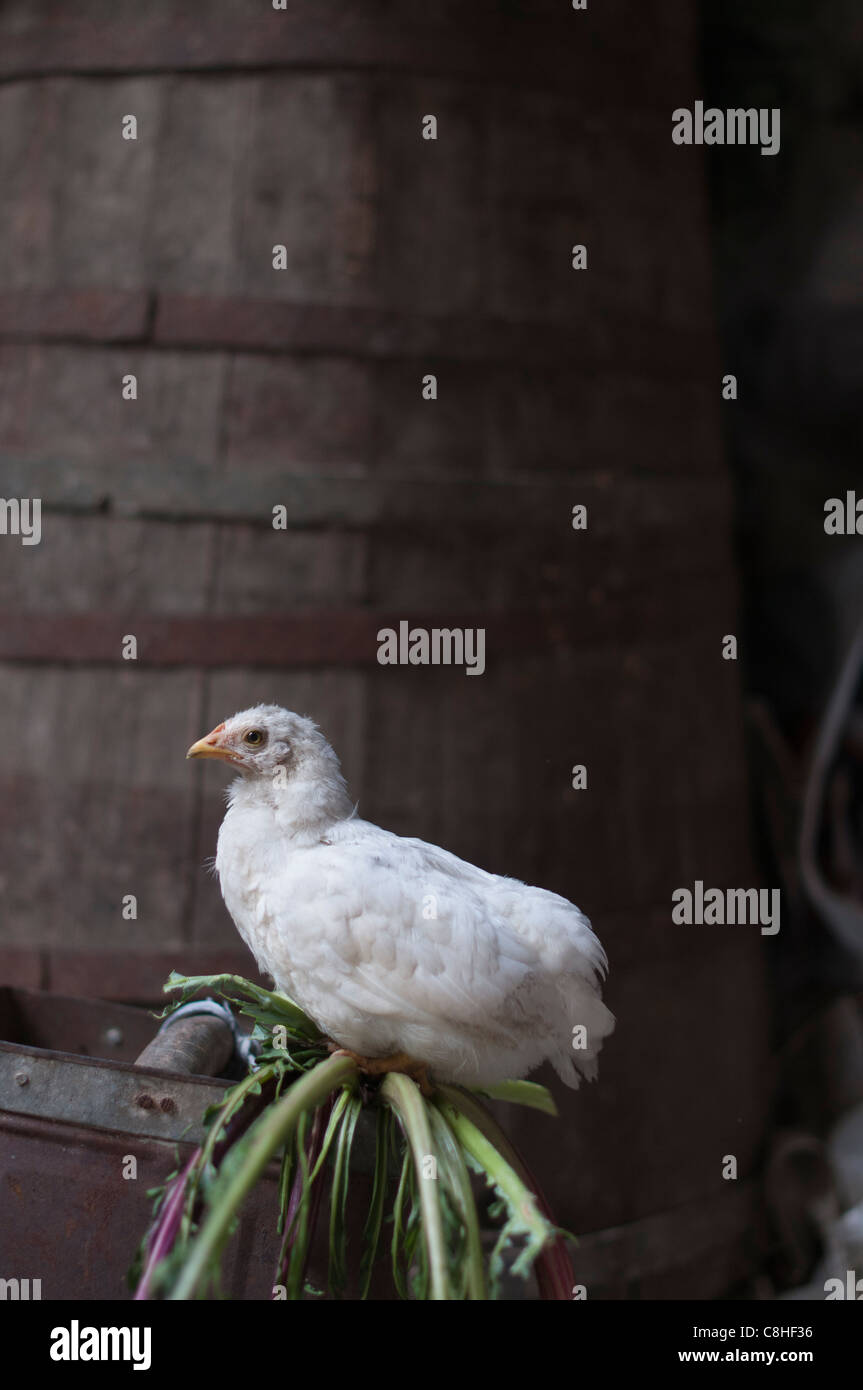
pixel 789 255
pixel 302 387
pixel 787 244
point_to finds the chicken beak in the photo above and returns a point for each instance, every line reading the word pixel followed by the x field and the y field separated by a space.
pixel 210 747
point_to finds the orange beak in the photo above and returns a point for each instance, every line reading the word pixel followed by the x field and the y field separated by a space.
pixel 211 746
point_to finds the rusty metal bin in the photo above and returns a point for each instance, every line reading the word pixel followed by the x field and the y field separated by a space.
pixel 75 1107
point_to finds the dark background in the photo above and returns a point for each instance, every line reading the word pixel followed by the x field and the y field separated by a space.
pixel 302 388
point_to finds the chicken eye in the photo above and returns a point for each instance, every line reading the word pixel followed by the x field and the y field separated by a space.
pixel 253 737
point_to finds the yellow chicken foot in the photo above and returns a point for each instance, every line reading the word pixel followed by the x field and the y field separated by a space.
pixel 378 1066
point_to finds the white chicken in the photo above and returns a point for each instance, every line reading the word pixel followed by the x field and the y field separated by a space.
pixel 405 956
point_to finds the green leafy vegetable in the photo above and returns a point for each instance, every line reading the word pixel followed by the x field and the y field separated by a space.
pixel 305 1107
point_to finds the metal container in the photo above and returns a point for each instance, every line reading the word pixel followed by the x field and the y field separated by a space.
pixel 85 1131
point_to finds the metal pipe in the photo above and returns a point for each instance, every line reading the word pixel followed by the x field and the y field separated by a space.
pixel 196 1045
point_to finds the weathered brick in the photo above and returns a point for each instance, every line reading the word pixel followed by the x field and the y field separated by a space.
pixel 261 570
pixel 32 118
pixel 539 151
pixel 312 191
pixel 102 204
pixel 530 271
pixel 432 439
pixel 203 139
pixel 431 236
pixel 108 564
pixel 116 820
pixel 285 416
pixel 144 452
pixel 573 420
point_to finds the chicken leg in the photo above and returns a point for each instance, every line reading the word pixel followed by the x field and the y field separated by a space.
pixel 379 1066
